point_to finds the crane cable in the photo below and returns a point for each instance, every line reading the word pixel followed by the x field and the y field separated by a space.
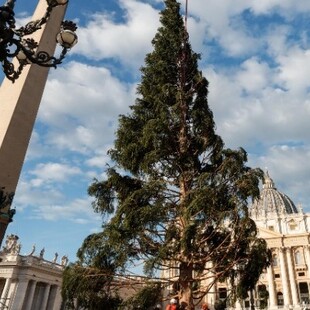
pixel 186 10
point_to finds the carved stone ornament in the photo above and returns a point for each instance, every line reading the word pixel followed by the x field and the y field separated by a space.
pixel 11 245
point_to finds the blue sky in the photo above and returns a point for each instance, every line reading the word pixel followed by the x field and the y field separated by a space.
pixel 256 56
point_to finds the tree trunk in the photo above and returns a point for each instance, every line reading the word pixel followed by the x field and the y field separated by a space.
pixel 186 279
pixel 252 300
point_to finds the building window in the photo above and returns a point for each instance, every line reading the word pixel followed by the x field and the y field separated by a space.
pixel 292 225
pixel 277 275
pixel 274 261
pixel 222 293
pixel 304 292
pixel 280 299
pixel 298 258
pixel 301 274
pixel 262 295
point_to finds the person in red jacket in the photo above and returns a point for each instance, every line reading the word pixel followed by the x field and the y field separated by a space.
pixel 173 304
pixel 204 307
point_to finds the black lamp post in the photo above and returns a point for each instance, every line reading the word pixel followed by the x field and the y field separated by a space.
pixel 16 43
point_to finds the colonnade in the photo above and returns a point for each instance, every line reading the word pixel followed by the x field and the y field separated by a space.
pixel 30 294
pixel 288 278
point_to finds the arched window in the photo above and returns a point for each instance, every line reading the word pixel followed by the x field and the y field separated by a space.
pixel 274 260
pixel 298 260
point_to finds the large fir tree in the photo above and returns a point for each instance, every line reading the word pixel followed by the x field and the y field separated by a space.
pixel 176 197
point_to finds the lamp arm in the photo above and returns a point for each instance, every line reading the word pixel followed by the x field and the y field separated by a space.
pixel 43 58
pixel 17 43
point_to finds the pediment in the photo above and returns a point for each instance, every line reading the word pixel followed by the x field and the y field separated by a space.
pixel 266 233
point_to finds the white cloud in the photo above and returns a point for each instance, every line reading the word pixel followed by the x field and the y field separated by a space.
pixel 289 168
pixel 285 7
pixel 100 159
pixel 53 172
pixel 224 22
pixel 80 90
pixel 277 39
pixel 51 204
pixel 74 211
pixel 295 70
pixel 128 42
pixel 28 194
pixel 81 105
pixel 250 107
pixel 254 75
pixel 22 19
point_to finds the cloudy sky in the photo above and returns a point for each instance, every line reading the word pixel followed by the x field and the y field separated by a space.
pixel 256 56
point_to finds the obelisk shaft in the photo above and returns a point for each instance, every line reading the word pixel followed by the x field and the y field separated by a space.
pixel 19 104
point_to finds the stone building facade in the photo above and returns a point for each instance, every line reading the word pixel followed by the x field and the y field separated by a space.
pixel 29 282
pixel 285 227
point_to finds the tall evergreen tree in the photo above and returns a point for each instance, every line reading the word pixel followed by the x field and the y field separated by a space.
pixel 177 199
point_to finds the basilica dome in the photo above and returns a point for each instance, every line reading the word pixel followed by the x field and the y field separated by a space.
pixel 271 201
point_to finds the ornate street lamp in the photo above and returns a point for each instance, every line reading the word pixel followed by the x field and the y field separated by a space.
pixel 16 43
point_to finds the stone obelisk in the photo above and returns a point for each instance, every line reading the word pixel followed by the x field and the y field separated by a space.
pixel 19 104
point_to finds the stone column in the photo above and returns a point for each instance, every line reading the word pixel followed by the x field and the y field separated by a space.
pixel 57 303
pixel 46 295
pixel 211 299
pixel 209 284
pixel 11 292
pixel 20 293
pixel 238 305
pixel 284 278
pixel 5 293
pixel 291 273
pixel 30 295
pixel 19 106
pixel 51 299
pixel 271 288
